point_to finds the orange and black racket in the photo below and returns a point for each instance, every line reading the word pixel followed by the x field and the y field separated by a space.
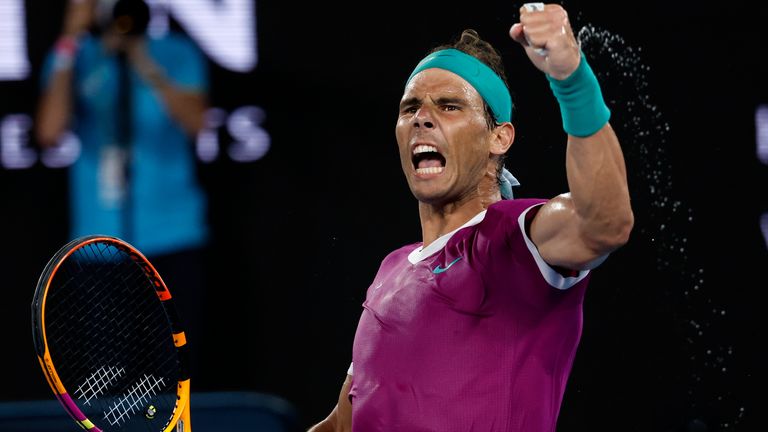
pixel 109 339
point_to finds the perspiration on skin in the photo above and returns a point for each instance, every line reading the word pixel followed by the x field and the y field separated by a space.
pixel 442 110
pixel 476 327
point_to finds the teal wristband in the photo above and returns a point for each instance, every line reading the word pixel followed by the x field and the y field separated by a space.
pixel 581 102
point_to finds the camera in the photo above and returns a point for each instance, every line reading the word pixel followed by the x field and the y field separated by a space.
pixel 126 17
pixel 130 17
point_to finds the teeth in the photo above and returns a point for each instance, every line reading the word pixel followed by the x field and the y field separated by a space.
pixel 430 170
pixel 424 148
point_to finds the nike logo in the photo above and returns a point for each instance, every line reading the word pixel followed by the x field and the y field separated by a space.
pixel 439 269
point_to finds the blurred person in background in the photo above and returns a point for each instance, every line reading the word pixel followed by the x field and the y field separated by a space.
pixel 135 103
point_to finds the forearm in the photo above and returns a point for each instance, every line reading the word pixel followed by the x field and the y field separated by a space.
pixel 184 106
pixel 597 181
pixel 340 418
pixel 187 108
pixel 597 178
pixel 324 426
pixel 53 113
pixel 55 106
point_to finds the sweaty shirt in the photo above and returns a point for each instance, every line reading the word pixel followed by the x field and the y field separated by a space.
pixel 474 333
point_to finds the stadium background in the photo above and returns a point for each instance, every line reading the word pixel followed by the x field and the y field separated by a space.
pixel 306 194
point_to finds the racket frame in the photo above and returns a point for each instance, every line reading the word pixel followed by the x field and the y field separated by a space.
pixel 181 414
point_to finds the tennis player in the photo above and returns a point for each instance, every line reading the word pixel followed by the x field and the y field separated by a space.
pixel 475 328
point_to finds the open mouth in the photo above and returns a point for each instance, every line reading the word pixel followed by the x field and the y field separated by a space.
pixel 427 160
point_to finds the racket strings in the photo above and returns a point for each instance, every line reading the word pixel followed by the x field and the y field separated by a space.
pixel 134 399
pixel 104 317
pixel 97 382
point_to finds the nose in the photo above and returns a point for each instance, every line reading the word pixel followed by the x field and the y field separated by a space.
pixel 423 118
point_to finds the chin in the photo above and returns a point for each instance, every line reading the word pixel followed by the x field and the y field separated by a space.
pixel 430 197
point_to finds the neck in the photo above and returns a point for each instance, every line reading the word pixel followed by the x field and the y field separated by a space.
pixel 440 219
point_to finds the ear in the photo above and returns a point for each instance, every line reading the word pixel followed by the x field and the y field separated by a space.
pixel 502 138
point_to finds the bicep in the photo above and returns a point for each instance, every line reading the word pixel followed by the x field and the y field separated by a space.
pixel 556 232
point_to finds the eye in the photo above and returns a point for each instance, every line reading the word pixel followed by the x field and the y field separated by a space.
pixel 451 108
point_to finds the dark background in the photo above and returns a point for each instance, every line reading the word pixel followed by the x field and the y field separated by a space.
pixel 674 335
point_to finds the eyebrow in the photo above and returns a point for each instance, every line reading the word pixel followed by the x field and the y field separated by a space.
pixel 439 101
pixel 410 101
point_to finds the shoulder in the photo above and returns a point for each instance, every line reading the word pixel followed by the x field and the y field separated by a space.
pixel 174 37
pixel 175 42
pixel 398 255
pixel 182 60
pixel 401 252
pixel 502 232
pixel 512 209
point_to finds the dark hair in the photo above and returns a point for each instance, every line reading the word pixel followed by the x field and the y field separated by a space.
pixel 471 43
pixel 131 17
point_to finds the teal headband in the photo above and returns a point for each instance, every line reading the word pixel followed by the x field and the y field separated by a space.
pixel 475 72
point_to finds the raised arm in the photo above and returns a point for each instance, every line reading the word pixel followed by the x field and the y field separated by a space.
pixel 185 106
pixel 54 109
pixel 575 229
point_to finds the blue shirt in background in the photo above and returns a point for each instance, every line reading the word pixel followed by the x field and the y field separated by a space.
pixel 161 208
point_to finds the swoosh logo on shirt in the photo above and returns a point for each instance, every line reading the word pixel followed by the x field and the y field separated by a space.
pixel 439 269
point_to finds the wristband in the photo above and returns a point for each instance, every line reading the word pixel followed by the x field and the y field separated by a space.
pixel 581 102
pixel 64 52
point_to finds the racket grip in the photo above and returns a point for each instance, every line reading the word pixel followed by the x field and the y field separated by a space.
pixel 184 424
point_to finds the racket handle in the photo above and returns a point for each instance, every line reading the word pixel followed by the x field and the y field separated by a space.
pixel 184 424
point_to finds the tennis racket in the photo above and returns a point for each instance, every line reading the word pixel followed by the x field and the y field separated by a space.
pixel 109 340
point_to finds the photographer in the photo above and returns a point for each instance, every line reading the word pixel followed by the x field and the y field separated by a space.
pixel 135 103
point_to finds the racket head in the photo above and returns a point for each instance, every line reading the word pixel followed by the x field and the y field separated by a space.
pixel 109 340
